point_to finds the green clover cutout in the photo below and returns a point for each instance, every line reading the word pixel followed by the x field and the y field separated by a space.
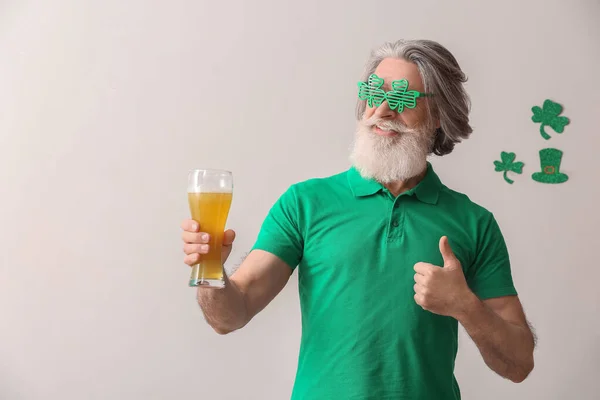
pixel 371 91
pixel 399 97
pixel 508 165
pixel 549 116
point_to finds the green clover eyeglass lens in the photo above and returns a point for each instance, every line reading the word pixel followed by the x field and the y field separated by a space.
pixel 398 98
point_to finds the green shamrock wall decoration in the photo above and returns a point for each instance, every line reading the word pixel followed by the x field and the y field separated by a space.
pixel 508 164
pixel 549 115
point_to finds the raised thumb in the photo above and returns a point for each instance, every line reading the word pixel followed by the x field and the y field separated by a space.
pixel 447 253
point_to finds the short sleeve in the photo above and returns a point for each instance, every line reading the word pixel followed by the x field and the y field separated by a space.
pixel 280 233
pixel 490 274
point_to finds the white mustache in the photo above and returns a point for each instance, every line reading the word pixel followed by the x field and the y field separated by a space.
pixel 388 125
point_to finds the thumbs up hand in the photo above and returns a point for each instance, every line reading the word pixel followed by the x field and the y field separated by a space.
pixel 442 290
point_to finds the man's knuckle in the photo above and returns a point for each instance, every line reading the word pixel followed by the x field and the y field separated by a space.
pixel 191 259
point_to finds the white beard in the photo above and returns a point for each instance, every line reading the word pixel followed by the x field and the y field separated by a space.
pixel 388 159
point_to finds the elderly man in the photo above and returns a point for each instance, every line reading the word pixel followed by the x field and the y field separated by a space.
pixel 389 259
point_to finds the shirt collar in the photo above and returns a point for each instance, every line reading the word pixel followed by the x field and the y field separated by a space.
pixel 361 186
pixel 427 190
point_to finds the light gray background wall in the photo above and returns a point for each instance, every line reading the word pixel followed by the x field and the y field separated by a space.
pixel 105 105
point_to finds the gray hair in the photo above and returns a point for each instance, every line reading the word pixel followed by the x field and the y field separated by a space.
pixel 442 76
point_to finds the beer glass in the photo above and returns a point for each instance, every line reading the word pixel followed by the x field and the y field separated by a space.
pixel 209 196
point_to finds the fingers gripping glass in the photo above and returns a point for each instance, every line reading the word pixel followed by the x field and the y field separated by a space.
pixel 209 197
pixel 398 98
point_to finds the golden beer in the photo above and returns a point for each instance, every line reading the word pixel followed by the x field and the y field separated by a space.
pixel 209 197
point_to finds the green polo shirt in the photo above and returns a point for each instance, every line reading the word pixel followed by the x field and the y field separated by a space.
pixel 355 245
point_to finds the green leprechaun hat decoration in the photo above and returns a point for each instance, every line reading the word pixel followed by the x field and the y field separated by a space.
pixel 550 160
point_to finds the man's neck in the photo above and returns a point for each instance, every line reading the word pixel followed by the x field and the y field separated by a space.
pixel 398 187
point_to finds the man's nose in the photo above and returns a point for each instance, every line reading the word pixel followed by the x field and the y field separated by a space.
pixel 384 111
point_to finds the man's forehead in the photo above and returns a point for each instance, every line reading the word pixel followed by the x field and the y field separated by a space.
pixel 396 69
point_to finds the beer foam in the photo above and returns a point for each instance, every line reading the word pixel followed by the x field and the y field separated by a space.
pixel 210 181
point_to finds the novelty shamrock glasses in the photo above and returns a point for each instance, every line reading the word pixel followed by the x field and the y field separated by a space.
pixel 397 98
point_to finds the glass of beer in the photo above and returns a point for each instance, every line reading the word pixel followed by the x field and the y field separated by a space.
pixel 209 196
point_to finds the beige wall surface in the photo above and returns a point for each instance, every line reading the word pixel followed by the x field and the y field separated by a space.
pixel 105 106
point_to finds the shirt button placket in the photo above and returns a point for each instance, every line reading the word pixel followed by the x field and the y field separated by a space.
pixel 395 220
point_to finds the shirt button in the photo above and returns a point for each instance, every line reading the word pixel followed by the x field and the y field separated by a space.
pixel 395 224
